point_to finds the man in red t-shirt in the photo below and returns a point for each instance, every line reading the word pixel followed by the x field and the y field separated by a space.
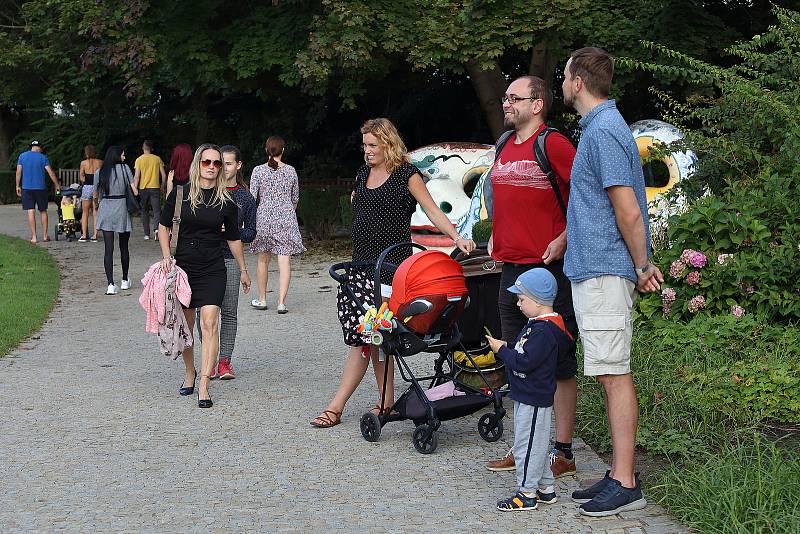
pixel 529 230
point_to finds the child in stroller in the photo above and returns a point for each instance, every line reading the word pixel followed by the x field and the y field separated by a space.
pixel 68 209
pixel 428 295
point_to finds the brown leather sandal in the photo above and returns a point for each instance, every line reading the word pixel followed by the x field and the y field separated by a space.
pixel 327 421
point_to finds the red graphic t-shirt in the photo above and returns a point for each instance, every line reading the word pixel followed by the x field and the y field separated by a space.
pixel 526 215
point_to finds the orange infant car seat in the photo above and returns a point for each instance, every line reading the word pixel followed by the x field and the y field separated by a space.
pixel 428 292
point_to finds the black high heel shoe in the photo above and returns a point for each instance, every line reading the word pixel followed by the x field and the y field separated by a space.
pixel 204 403
pixel 187 390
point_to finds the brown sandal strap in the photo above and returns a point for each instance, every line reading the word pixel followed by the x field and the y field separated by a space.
pixel 328 420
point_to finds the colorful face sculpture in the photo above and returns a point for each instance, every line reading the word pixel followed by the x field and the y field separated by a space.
pixel 451 172
pixel 456 173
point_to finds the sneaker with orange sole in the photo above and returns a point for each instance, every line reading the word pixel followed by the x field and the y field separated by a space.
pixel 224 369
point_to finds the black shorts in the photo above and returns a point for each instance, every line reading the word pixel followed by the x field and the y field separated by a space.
pixel 34 198
pixel 512 320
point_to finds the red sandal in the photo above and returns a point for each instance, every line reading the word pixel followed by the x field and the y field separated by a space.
pixel 327 421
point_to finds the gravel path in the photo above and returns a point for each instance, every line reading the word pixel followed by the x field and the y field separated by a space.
pixel 94 437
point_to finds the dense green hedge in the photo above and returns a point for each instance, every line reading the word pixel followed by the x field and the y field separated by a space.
pixel 320 211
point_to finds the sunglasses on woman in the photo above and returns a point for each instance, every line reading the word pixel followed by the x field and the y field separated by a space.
pixel 205 163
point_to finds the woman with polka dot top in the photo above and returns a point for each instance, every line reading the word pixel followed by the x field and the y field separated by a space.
pixel 386 192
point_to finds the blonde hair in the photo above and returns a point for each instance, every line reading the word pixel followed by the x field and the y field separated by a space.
pixel 220 195
pixel 389 140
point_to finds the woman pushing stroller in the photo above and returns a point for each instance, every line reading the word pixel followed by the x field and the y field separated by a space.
pixel 386 192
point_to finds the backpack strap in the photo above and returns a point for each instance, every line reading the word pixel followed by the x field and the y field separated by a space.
pixel 488 193
pixel 540 153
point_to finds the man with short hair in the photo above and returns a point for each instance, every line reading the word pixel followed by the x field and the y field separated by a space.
pixel 149 170
pixel 529 230
pixel 607 260
pixel 31 187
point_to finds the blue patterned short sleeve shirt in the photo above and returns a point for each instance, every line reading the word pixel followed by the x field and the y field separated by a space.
pixel 607 156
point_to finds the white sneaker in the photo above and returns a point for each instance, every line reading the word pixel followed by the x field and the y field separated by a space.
pixel 146 237
pixel 112 289
pixel 126 284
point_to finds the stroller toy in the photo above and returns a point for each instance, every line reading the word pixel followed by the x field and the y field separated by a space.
pixel 373 322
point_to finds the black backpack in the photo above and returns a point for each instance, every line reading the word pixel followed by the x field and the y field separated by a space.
pixel 540 153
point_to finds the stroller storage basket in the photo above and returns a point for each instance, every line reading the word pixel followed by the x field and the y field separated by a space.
pixel 428 296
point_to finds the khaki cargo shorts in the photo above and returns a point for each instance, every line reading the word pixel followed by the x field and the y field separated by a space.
pixel 603 310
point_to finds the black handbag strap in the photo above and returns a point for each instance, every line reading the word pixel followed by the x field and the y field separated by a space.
pixel 176 220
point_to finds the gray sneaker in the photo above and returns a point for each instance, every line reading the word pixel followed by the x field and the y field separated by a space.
pixel 615 498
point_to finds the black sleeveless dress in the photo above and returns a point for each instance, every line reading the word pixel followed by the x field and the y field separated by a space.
pixel 199 247
pixel 381 218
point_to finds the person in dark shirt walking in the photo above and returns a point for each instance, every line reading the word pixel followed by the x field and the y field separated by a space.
pixel 531 366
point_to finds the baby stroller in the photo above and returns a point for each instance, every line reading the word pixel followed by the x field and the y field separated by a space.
pixel 428 295
pixel 68 228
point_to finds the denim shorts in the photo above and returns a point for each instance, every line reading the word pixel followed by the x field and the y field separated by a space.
pixel 86 192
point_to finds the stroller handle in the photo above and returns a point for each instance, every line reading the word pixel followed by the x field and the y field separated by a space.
pixel 382 260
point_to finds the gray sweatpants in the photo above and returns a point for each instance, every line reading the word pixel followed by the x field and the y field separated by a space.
pixel 229 310
pixel 532 447
pixel 150 197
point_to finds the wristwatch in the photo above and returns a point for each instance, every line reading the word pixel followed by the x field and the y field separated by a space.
pixel 642 270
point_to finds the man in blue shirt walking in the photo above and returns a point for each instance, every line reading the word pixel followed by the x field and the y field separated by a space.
pixel 31 187
pixel 607 260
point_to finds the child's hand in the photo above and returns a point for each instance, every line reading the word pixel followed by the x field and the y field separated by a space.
pixel 495 344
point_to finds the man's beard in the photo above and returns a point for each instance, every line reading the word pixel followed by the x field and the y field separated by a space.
pixel 569 100
pixel 508 121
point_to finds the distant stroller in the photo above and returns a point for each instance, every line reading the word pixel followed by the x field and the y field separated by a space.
pixel 69 212
pixel 428 295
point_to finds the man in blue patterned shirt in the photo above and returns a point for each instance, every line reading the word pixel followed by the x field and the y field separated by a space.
pixel 607 260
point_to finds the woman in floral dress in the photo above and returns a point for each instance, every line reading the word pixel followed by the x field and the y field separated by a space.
pixel 275 188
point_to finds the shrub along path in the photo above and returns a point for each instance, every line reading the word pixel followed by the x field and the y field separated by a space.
pixel 96 437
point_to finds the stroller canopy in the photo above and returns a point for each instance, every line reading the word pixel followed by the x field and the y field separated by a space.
pixel 431 274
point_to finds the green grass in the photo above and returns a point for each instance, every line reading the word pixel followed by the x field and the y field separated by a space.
pixel 709 393
pixel 29 282
pixel 746 487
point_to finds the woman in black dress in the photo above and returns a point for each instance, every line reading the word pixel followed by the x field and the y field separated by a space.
pixel 388 188
pixel 208 218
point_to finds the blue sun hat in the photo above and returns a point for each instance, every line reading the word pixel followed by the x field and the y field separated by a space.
pixel 538 284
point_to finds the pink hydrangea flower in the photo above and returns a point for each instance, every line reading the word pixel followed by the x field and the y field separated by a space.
pixel 677 269
pixel 737 310
pixel 697 303
pixel 693 278
pixel 749 289
pixel 668 295
pixel 686 255
pixel 666 309
pixel 698 259
pixel 722 258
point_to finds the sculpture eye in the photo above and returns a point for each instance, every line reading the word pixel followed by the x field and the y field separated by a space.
pixel 446 207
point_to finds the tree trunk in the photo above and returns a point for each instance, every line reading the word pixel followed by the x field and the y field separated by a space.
pixel 5 139
pixel 542 64
pixel 490 86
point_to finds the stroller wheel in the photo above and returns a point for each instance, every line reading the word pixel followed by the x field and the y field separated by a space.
pixel 490 427
pixel 425 439
pixel 370 426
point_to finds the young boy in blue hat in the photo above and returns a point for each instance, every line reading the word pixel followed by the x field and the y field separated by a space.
pixel 531 370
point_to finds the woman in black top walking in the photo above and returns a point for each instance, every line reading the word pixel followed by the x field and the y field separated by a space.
pixel 206 207
pixel 386 193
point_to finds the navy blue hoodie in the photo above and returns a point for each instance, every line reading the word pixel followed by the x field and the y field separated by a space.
pixel 531 364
